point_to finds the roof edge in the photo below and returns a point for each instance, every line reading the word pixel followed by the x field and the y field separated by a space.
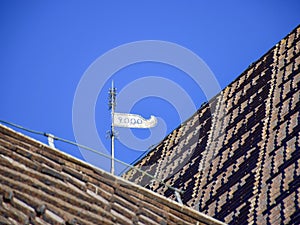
pixel 251 65
pixel 201 217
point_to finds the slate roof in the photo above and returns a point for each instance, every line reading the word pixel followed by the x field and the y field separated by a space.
pixel 238 157
pixel 41 185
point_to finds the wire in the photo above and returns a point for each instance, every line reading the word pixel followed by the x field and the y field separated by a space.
pixel 92 150
pixel 22 128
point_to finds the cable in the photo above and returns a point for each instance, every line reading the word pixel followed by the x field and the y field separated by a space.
pixel 92 150
pixel 22 128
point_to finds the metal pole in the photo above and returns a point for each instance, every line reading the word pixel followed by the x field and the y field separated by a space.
pixel 112 104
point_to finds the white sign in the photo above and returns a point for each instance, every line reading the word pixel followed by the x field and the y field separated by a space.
pixel 133 121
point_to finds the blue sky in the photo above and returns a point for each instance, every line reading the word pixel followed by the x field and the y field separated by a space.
pixel 47 47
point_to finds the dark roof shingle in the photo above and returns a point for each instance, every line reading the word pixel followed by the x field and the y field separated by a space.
pixel 238 157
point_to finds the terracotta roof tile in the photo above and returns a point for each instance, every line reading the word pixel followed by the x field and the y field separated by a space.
pixel 41 185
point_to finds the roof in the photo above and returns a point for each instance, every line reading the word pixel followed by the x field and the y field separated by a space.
pixel 237 158
pixel 42 185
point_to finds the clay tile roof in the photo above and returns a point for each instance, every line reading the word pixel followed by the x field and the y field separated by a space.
pixel 41 185
pixel 238 157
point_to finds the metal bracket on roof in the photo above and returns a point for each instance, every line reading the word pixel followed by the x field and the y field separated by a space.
pixel 51 140
pixel 178 197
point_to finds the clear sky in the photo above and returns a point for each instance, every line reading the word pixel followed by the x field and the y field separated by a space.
pixel 48 49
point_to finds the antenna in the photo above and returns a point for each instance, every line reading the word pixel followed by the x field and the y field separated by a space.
pixel 112 105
